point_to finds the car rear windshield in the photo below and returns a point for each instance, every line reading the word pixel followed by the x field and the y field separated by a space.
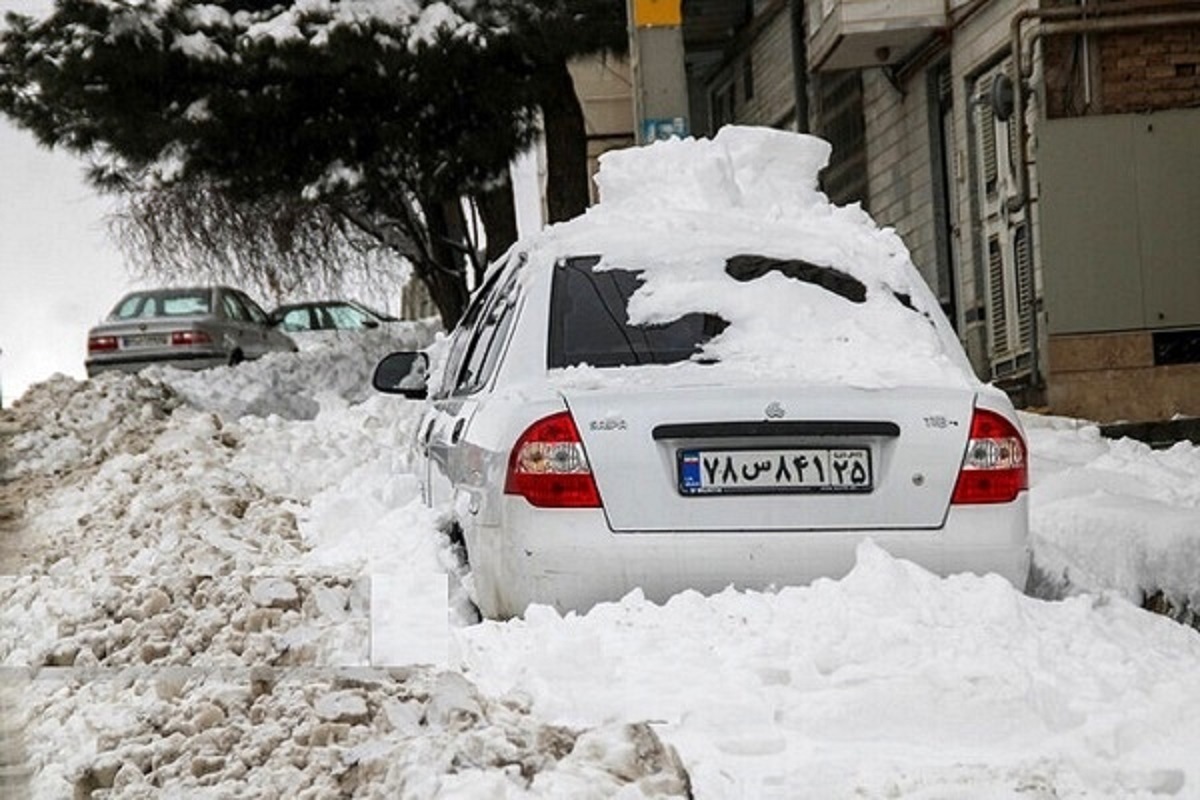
pixel 179 303
pixel 589 323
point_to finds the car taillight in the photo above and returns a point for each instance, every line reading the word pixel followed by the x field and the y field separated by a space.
pixel 182 338
pixel 101 344
pixel 994 468
pixel 549 468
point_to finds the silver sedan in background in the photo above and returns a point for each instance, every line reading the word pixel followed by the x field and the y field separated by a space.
pixel 188 328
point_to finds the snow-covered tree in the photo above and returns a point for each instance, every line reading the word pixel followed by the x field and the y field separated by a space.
pixel 370 117
pixel 551 33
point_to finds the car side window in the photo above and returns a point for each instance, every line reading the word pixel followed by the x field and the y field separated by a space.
pixel 233 308
pixel 464 334
pixel 296 320
pixel 257 314
pixel 483 355
pixel 346 317
pixel 135 306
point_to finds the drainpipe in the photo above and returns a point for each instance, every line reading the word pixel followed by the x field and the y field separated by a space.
pixel 1085 46
pixel 800 64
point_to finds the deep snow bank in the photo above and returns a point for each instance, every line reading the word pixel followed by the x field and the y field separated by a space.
pixel 195 614
pixel 1115 515
pixel 891 682
pixel 197 618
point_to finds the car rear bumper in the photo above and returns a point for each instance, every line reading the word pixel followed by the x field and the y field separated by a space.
pixel 193 361
pixel 570 559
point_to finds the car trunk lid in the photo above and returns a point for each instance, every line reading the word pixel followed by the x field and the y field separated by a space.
pixel 697 458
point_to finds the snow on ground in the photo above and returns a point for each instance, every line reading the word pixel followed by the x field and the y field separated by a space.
pixel 194 591
pixel 225 584
pixel 1115 515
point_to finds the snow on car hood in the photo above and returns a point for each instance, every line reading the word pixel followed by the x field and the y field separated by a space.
pixel 677 210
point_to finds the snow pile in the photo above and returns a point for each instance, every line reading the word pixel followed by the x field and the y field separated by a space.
pixel 412 733
pixel 1115 515
pixel 194 587
pixel 197 614
pixel 67 427
pixel 889 683
pixel 336 366
pixel 677 210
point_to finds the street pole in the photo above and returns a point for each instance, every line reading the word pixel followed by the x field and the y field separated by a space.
pixel 660 96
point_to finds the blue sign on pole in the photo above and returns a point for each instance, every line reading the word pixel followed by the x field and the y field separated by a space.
pixel 664 128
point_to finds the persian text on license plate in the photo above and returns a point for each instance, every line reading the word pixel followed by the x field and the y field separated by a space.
pixel 812 469
pixel 145 340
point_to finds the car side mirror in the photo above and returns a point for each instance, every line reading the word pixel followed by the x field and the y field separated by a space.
pixel 370 323
pixel 404 373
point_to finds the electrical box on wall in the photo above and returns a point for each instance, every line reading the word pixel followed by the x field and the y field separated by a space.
pixel 1119 200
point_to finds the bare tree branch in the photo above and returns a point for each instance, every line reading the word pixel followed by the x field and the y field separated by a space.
pixel 276 246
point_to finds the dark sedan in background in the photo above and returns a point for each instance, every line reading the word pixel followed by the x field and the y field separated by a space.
pixel 188 328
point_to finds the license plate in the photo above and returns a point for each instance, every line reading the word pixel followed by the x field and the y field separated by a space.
pixel 145 340
pixel 809 469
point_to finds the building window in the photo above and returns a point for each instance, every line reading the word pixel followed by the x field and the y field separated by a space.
pixel 721 104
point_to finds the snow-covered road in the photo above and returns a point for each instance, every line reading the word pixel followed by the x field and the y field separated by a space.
pixel 214 581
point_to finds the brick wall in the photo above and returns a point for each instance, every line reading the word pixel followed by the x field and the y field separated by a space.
pixel 1150 70
pixel 761 79
pixel 1132 72
pixel 773 77
pixel 899 172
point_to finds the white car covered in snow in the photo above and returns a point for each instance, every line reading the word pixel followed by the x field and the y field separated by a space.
pixel 714 377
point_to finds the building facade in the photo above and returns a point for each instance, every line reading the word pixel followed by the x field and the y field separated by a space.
pixel 1040 159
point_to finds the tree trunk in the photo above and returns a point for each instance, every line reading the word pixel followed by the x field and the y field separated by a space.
pixel 498 210
pixel 444 274
pixel 447 291
pixel 567 178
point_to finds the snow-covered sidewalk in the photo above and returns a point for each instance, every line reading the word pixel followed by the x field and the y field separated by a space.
pixel 220 569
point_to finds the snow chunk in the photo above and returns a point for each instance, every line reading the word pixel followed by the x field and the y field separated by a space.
pixel 208 16
pixel 198 111
pixel 337 177
pixel 282 28
pixel 198 46
pixel 275 593
pixel 344 706
pixel 434 21
pixel 747 168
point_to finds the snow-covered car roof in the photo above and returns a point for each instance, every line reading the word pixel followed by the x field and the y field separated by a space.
pixel 678 211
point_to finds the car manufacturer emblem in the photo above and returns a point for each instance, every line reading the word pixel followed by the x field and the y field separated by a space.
pixel 775 410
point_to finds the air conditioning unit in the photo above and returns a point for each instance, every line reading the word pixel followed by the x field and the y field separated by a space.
pixel 855 34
